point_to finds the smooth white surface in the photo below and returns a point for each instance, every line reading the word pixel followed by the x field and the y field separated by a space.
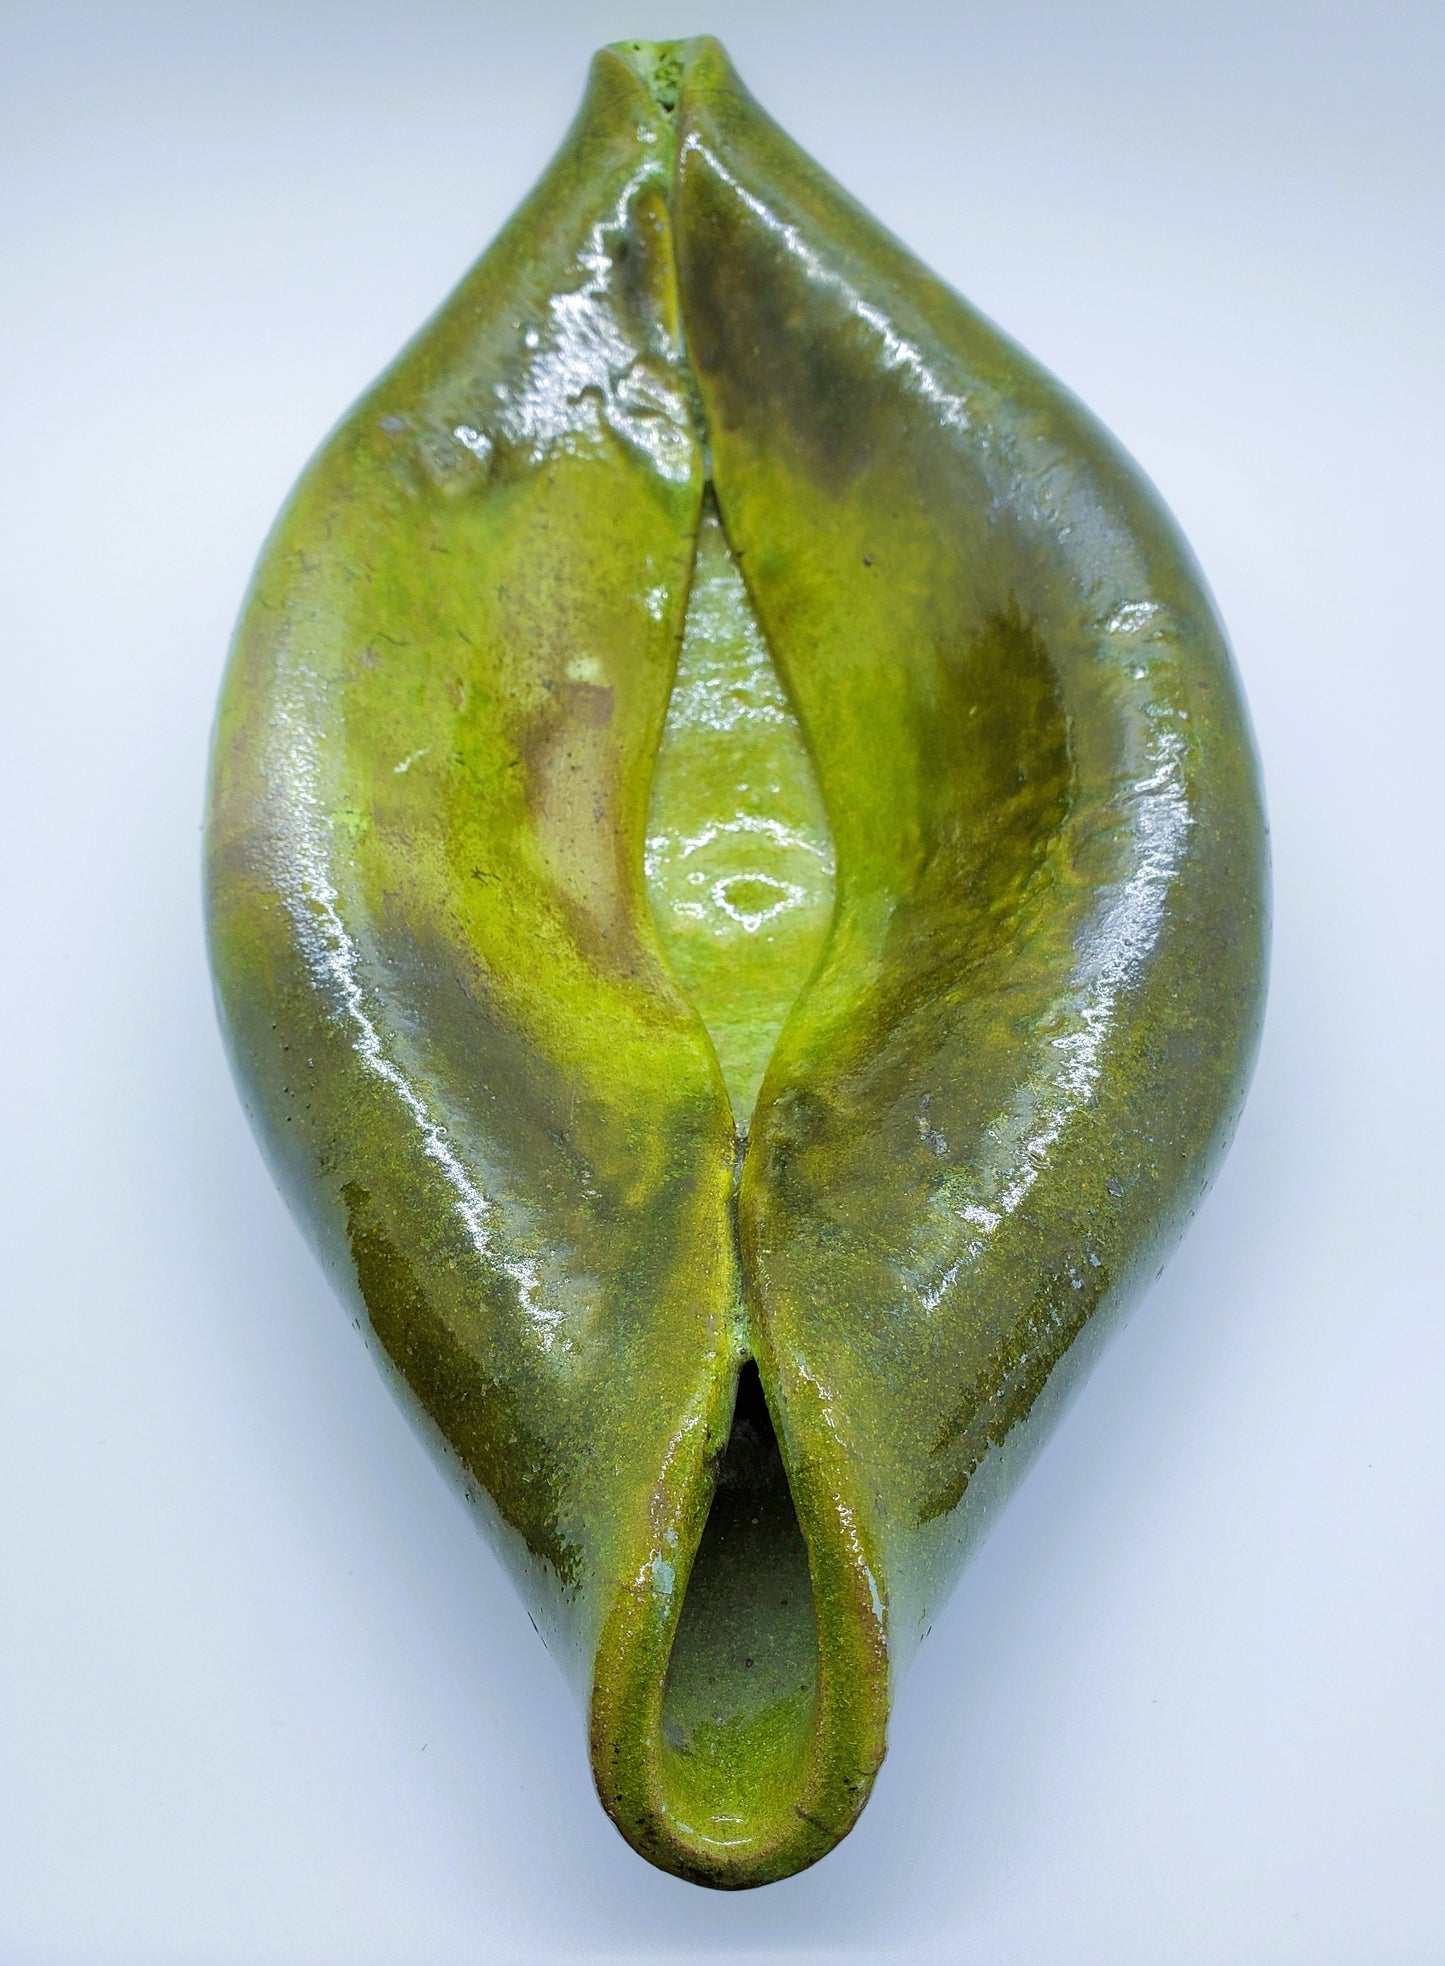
pixel 264 1696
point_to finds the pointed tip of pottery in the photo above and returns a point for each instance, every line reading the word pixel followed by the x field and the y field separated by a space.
pixel 664 66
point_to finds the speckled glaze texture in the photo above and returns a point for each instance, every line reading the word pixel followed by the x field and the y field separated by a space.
pixel 735 1113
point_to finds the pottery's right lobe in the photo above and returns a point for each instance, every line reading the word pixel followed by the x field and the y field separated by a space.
pixel 1027 1043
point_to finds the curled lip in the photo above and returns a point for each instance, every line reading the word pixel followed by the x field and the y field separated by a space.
pixel 734 1372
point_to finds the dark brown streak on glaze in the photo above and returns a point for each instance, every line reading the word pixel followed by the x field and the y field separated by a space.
pixel 481 1419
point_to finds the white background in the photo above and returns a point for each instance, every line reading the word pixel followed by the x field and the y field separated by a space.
pixel 264 1695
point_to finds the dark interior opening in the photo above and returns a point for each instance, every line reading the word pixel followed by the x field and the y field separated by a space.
pixel 741 1686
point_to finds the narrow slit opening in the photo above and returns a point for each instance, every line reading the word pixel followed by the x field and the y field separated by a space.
pixel 741 1689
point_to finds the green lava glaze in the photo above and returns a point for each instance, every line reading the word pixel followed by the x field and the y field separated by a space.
pixel 737 894
pixel 739 859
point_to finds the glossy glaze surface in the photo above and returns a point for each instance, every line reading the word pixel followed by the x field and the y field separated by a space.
pixel 702 532
pixel 739 855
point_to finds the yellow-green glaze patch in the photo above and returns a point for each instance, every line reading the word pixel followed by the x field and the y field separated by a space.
pixel 739 860
pixel 715 681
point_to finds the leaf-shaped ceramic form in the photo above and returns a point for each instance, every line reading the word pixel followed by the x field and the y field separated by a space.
pixel 736 1123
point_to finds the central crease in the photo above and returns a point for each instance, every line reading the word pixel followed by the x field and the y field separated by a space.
pixel 740 874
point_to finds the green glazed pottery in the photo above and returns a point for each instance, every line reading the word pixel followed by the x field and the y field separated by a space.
pixel 737 893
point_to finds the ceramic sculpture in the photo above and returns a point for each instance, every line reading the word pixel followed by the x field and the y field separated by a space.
pixel 737 895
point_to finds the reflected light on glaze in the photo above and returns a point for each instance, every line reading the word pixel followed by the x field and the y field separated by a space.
pixel 335 961
pixel 1021 1138
pixel 898 353
pixel 584 374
